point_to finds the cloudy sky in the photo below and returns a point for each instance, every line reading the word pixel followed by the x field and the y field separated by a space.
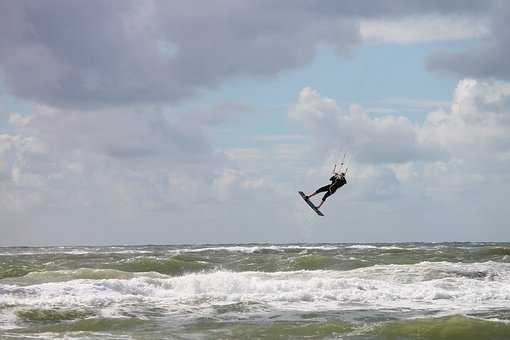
pixel 129 122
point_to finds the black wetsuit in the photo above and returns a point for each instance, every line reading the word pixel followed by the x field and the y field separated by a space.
pixel 336 182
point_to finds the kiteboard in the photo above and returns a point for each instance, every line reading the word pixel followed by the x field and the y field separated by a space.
pixel 311 204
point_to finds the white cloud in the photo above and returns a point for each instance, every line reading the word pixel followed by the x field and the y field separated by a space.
pixel 279 137
pixel 120 160
pixel 478 120
pixel 61 163
pixel 397 105
pixel 236 184
pixel 416 29
pixel 452 165
pixel 243 153
pixel 18 120
pixel 386 138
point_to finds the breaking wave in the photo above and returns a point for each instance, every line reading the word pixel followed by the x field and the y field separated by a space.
pixel 425 285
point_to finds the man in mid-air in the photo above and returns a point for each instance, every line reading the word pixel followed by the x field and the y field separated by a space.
pixel 337 181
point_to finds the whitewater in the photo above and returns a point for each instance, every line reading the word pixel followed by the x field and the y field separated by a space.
pixel 349 291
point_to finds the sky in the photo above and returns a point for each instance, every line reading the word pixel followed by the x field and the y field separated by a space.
pixel 170 122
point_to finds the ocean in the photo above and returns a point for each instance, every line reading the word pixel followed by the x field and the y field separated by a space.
pixel 257 291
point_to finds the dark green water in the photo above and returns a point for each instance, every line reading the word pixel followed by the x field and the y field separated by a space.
pixel 314 291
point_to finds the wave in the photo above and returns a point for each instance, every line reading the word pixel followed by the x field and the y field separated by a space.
pixel 46 252
pixel 436 286
pixel 293 248
pixel 45 315
pixel 79 251
pixel 452 327
pixel 274 330
pixel 361 246
pixel 41 277
pixel 383 249
pixel 497 251
pixel 310 262
pixel 257 249
pixel 91 325
pixel 483 250
pixel 171 266
pixel 15 271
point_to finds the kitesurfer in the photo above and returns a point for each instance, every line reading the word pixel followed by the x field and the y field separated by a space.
pixel 337 181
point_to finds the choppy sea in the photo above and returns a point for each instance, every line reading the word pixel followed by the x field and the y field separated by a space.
pixel 257 291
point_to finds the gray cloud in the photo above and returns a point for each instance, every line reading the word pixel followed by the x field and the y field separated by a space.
pixel 102 53
pixel 489 59
pixel 142 135
pixel 88 54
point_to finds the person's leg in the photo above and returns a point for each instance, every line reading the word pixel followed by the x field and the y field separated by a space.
pixel 321 189
pixel 326 195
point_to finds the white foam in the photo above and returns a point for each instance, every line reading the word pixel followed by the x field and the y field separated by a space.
pixel 8 320
pixel 439 286
pixel 361 246
pixel 253 249
pixel 368 246
pixel 79 251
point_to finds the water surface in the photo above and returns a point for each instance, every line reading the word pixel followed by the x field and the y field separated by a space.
pixel 316 291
